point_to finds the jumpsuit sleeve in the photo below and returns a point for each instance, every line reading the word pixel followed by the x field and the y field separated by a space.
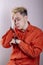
pixel 7 37
pixel 33 48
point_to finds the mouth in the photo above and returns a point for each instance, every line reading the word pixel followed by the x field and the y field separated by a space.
pixel 17 26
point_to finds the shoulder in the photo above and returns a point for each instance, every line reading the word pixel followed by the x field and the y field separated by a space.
pixel 35 28
pixel 9 31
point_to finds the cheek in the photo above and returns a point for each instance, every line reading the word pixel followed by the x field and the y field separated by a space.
pixel 21 23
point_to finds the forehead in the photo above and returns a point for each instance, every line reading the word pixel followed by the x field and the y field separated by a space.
pixel 17 15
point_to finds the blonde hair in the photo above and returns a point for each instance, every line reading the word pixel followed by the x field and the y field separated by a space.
pixel 22 10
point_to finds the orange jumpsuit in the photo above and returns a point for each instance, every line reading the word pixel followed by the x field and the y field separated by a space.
pixel 27 52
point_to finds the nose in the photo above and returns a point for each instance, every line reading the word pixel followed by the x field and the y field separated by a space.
pixel 17 23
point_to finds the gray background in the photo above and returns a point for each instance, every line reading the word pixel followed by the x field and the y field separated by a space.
pixel 35 16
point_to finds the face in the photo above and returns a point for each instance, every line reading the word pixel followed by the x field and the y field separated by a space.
pixel 19 20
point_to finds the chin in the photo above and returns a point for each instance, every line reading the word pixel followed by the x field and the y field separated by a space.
pixel 18 28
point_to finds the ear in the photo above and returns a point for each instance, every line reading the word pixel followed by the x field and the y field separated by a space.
pixel 26 18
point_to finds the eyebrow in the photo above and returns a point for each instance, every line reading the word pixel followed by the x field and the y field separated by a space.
pixel 17 18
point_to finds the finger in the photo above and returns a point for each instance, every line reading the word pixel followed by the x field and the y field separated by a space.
pixel 1 40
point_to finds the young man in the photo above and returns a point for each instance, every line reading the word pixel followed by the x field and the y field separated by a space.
pixel 26 39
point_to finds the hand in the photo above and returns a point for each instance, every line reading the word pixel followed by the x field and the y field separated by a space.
pixel 18 41
pixel 13 25
pixel 1 40
pixel 12 21
pixel 12 41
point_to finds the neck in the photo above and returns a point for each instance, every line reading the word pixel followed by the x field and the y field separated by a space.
pixel 25 26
